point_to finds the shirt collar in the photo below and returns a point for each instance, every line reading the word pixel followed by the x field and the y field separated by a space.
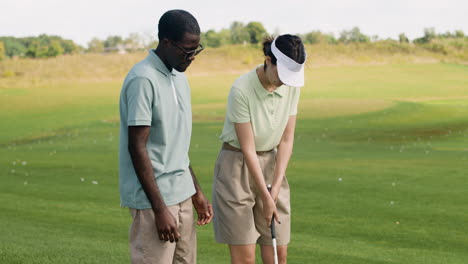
pixel 159 64
pixel 262 93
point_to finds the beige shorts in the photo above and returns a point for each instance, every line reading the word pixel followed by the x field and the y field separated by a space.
pixel 237 205
pixel 145 246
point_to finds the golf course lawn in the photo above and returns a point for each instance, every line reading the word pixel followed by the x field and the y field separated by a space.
pixel 379 172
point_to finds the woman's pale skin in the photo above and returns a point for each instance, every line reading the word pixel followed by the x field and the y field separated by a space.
pixel 245 254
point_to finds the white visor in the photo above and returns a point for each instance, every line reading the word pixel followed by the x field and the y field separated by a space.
pixel 290 72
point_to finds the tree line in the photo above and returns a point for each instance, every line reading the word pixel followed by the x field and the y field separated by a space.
pixel 42 46
pixel 251 33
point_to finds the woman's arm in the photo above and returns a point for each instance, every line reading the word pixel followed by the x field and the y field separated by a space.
pixel 247 144
pixel 285 148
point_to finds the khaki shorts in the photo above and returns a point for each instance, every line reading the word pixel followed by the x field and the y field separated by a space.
pixel 237 206
pixel 145 246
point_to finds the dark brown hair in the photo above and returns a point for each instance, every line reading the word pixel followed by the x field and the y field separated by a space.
pixel 289 45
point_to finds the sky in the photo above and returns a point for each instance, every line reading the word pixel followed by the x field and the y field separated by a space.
pixel 81 20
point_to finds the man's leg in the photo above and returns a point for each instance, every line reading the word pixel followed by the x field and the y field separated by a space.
pixel 186 248
pixel 145 246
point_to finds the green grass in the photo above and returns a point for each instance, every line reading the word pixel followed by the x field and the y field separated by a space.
pixel 378 173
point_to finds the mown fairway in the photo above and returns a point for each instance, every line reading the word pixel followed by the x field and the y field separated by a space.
pixel 378 175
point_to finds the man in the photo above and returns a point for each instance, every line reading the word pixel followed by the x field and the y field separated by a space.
pixel 157 182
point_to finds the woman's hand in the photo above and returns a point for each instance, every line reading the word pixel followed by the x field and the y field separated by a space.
pixel 275 192
pixel 269 210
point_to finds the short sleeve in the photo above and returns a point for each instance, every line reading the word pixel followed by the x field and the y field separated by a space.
pixel 238 107
pixel 295 101
pixel 139 95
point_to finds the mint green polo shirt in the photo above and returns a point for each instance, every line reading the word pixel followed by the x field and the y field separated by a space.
pixel 153 96
pixel 268 112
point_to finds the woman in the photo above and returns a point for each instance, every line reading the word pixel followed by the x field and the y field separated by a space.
pixel 258 137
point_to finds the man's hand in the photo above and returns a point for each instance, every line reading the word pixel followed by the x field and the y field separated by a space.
pixel 203 208
pixel 166 226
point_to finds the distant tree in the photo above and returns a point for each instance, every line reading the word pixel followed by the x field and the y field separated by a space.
pixel 316 37
pixel 256 32
pixel 69 47
pixel 225 36
pixel 459 34
pixel 344 36
pixel 13 46
pixel 402 38
pixel 429 34
pixel 353 36
pixel 45 46
pixel 41 51
pixel 96 45
pixel 34 48
pixel 447 34
pixel 42 46
pixel 134 42
pixel 54 49
pixel 331 38
pixel 213 39
pixel 113 41
pixel 2 50
pixel 239 33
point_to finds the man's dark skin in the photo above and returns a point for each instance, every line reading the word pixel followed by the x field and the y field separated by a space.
pixel 174 58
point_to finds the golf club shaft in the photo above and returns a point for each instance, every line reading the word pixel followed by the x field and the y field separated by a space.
pixel 273 233
pixel 274 250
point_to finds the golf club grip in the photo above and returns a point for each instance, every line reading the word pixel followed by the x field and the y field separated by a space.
pixel 273 232
pixel 272 228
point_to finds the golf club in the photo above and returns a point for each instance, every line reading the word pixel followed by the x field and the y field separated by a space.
pixel 273 233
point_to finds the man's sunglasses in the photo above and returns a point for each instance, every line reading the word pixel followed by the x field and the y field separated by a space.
pixel 191 53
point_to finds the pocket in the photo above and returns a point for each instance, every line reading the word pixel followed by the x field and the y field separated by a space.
pixel 218 164
pixel 228 174
pixel 226 166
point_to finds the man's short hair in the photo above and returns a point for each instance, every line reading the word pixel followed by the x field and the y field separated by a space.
pixel 175 23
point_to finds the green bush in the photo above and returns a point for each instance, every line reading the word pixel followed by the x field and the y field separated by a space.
pixel 2 51
pixel 393 46
pixel 353 36
pixel 316 37
pixel 8 74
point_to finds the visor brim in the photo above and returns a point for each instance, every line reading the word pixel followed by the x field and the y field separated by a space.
pixel 290 78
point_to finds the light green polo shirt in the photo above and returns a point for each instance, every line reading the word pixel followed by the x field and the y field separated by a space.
pixel 153 96
pixel 268 112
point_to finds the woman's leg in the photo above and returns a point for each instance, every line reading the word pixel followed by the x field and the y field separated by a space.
pixel 283 230
pixel 268 254
pixel 242 254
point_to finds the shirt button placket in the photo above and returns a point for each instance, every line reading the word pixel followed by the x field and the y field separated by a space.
pixel 271 104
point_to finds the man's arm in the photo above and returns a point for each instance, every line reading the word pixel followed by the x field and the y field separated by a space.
pixel 165 222
pixel 200 202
